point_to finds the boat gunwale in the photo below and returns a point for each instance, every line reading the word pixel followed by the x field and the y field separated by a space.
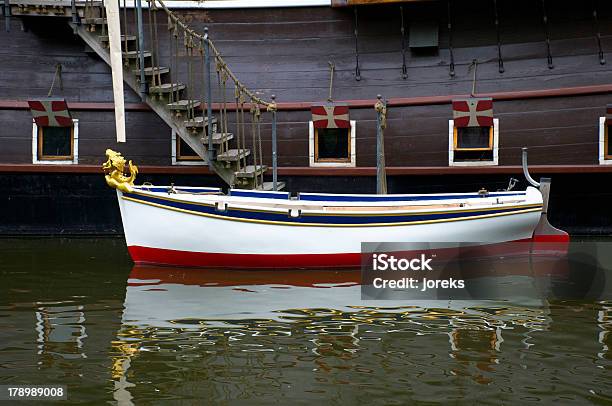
pixel 519 210
pixel 273 206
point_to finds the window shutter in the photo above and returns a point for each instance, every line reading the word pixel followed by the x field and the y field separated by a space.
pixel 50 112
pixel 330 115
pixel 609 114
pixel 473 112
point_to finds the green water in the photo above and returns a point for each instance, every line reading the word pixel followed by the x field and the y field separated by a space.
pixel 74 311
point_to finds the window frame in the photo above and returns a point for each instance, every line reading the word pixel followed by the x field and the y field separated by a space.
pixel 493 140
pixel 456 139
pixel 177 159
pixel 313 144
pixel 39 158
pixel 604 139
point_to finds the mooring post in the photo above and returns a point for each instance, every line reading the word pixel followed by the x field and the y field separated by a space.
pixel 381 179
pixel 208 98
pixel 274 162
pixel 143 81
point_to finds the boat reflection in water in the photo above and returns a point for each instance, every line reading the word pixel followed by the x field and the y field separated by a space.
pixel 242 331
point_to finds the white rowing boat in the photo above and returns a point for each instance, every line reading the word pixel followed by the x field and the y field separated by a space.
pixel 202 227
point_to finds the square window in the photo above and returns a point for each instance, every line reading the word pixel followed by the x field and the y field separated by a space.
pixel 332 145
pixel 473 146
pixel 473 138
pixel 55 143
pixel 184 152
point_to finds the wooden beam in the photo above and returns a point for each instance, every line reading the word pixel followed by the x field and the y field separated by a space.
pixel 307 171
pixel 357 103
pixel 349 3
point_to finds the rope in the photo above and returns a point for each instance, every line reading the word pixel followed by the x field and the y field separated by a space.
pixel 58 74
pixel 202 88
pixel 473 67
pixel 190 96
pixel 258 112
pixel 332 67
pixel 243 123
pixel 172 67
pixel 215 52
pixel 237 95
pixel 254 143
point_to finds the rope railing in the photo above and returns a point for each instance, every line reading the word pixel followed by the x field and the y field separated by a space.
pixel 221 64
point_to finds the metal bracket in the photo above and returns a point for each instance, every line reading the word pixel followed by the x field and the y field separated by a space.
pixel 526 170
pixel 403 32
pixel 356 32
pixel 451 71
pixel 500 60
pixel 545 19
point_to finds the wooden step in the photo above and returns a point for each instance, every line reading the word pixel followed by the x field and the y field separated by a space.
pixel 270 186
pixel 233 155
pixel 152 70
pixel 165 87
pixel 199 122
pixel 183 105
pixel 218 138
pixel 250 171
pixel 135 54
pixel 104 38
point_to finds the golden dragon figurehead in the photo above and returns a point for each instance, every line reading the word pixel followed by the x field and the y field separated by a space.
pixel 114 170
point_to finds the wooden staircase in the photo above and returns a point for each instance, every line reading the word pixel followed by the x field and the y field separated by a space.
pixel 228 162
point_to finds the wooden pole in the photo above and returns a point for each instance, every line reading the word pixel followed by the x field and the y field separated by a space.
pixel 381 177
pixel 274 162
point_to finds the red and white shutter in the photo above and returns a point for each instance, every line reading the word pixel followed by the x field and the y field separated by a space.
pixel 50 112
pixel 473 112
pixel 330 115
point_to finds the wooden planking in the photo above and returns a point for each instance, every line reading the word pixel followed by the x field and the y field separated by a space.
pixel 285 51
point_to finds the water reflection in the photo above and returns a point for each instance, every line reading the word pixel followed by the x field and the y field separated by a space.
pixel 76 312
pixel 309 331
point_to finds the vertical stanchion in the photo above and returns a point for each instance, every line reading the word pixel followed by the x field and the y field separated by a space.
pixel 381 177
pixel 274 162
pixel 208 97
pixel 143 81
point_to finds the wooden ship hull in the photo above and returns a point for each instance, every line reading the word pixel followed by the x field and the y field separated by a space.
pixel 545 69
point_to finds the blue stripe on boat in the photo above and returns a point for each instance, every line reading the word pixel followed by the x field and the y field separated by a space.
pixel 396 198
pixel 260 194
pixel 313 218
